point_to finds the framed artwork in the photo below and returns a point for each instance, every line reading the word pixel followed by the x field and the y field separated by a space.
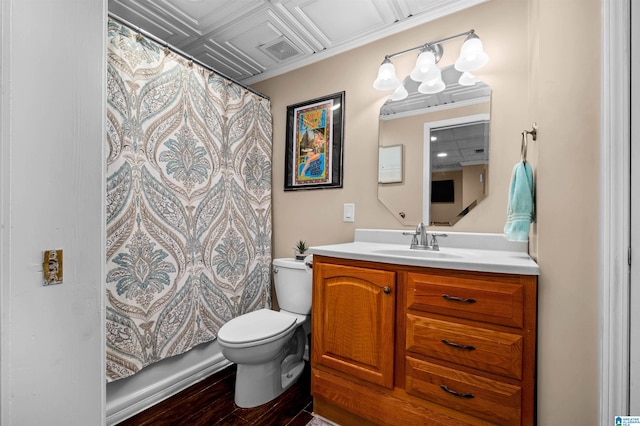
pixel 313 153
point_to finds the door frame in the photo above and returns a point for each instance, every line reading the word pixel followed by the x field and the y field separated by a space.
pixel 634 224
pixel 615 182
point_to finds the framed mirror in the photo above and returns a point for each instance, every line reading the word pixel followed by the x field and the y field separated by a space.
pixel 410 123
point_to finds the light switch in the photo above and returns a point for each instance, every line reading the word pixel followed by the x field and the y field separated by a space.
pixel 52 267
pixel 349 212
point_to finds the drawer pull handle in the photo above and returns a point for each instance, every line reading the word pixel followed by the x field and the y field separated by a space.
pixel 458 394
pixel 458 345
pixel 387 289
pixel 458 299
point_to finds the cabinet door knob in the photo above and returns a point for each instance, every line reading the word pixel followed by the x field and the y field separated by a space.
pixel 387 289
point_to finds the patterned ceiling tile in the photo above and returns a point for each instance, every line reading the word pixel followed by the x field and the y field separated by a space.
pixel 251 40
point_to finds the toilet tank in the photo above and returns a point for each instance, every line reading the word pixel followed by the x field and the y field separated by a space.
pixel 293 280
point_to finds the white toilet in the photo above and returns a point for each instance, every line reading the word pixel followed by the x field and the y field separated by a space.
pixel 269 346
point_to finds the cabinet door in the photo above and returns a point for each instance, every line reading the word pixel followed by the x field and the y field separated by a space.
pixel 353 315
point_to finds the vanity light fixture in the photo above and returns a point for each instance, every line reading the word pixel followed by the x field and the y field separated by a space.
pixel 426 70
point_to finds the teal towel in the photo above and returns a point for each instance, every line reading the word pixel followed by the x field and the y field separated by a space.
pixel 521 208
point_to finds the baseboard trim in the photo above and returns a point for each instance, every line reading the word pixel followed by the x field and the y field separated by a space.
pixel 121 409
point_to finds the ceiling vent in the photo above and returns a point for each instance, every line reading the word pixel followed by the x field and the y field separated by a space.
pixel 280 49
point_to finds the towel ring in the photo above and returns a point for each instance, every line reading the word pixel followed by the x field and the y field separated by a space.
pixel 533 132
pixel 523 147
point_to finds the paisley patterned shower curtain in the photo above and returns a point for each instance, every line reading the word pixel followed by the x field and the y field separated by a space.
pixel 188 203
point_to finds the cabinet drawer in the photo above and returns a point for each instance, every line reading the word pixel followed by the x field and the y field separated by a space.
pixel 475 347
pixel 477 396
pixel 482 297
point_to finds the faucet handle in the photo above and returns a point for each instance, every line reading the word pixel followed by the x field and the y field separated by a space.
pixel 414 239
pixel 434 241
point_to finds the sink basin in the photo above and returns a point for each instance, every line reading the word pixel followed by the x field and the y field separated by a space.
pixel 424 254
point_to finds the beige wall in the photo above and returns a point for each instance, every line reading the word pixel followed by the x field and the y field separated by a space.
pixel 565 101
pixel 473 182
pixel 544 67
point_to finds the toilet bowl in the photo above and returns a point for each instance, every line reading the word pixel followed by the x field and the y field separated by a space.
pixel 269 346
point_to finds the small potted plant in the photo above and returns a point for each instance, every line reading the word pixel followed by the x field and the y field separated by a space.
pixel 300 249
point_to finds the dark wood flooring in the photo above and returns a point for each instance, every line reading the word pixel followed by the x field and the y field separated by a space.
pixel 210 402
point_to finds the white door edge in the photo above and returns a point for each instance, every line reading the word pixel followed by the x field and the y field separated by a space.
pixel 614 211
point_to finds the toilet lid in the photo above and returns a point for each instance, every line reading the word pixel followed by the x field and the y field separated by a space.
pixel 257 325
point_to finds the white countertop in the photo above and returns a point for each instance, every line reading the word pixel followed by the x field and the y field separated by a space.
pixel 459 250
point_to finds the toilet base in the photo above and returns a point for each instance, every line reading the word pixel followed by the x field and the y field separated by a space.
pixel 257 384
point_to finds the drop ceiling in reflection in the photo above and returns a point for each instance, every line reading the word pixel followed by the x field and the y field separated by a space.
pixel 251 40
pixel 453 147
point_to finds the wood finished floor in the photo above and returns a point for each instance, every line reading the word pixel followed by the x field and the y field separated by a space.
pixel 210 402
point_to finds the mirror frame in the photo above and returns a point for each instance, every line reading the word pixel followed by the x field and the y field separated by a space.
pixel 426 160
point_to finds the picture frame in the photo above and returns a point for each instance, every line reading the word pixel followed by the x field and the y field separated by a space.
pixel 314 143
pixel 390 164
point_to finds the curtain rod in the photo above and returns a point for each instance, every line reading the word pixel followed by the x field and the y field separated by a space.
pixel 181 53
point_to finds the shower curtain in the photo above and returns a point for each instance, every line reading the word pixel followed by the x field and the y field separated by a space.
pixel 188 202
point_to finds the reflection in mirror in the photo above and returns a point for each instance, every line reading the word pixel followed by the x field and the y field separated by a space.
pixel 458 155
pixel 405 123
pixel 390 164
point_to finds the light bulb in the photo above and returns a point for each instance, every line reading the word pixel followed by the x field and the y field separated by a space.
pixel 434 85
pixel 399 94
pixel 425 67
pixel 472 55
pixel 386 79
pixel 467 79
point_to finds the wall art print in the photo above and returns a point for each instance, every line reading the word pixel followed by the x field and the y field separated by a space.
pixel 313 154
pixel 188 203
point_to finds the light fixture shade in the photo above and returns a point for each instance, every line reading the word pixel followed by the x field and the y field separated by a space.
pixel 387 79
pixel 434 85
pixel 472 55
pixel 399 94
pixel 467 79
pixel 425 68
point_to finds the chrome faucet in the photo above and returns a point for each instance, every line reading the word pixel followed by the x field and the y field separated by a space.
pixel 420 237
pixel 420 240
pixel 422 232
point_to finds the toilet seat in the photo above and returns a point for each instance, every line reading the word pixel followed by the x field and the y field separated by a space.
pixel 261 326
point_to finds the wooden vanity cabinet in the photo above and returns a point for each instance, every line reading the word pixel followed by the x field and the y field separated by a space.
pixel 354 328
pixel 400 345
